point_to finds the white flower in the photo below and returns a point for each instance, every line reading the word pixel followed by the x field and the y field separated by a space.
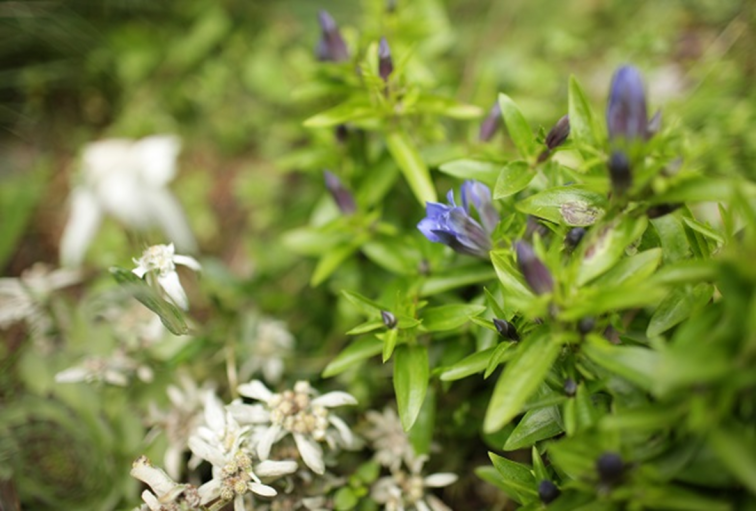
pixel 404 491
pixel 128 180
pixel 269 342
pixel 25 298
pixel 166 493
pixel 295 412
pixel 161 261
pixel 117 369
pixel 221 441
pixel 388 439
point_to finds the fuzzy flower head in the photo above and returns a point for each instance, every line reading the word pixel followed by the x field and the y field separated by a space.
pixel 269 342
pixel 166 494
pixel 161 261
pixel 454 225
pixel 299 413
pixel 408 490
pixel 117 369
pixel 388 439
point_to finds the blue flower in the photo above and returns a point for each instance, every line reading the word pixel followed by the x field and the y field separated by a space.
pixel 453 225
pixel 626 115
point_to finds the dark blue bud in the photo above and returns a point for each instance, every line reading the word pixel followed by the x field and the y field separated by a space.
pixel 610 468
pixel 574 236
pixel 491 124
pixel 586 325
pixel 570 387
pixel 620 172
pixel 547 491
pixel 388 319
pixel 661 210
pixel 331 46
pixel 506 329
pixel 559 133
pixel 626 115
pixel 535 272
pixel 385 63
pixel 343 197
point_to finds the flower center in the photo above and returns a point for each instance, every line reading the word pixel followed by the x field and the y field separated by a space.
pixel 235 476
pixel 158 257
pixel 293 411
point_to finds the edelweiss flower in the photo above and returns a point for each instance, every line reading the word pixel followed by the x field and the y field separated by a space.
pixel 168 494
pixel 268 342
pixel 161 260
pixel 404 491
pixel 454 226
pixel 128 180
pixel 117 369
pixel 24 298
pixel 388 439
pixel 221 441
pixel 296 413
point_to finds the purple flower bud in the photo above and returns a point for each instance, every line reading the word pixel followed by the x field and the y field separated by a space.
pixel 385 63
pixel 506 329
pixel 331 46
pixel 388 319
pixel 654 125
pixel 559 133
pixel 620 172
pixel 532 226
pixel 586 324
pixel 535 272
pixel 573 237
pixel 626 115
pixel 570 387
pixel 343 197
pixel 610 468
pixel 661 210
pixel 547 491
pixel 491 124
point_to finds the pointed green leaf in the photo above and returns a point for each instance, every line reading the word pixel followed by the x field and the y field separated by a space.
pixel 501 354
pixel 364 304
pixel 471 364
pixel 351 110
pixel 735 447
pixel 449 317
pixel 330 262
pixel 352 355
pixel 389 343
pixel 515 176
pixel 411 164
pixel 639 365
pixel 517 479
pixel 636 268
pixel 565 205
pixel 677 306
pixel 518 127
pixel 483 171
pixel 410 381
pixel 607 245
pixel 536 425
pixel 582 120
pixel 459 277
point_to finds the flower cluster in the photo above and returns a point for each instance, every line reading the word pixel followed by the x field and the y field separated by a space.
pixel 161 261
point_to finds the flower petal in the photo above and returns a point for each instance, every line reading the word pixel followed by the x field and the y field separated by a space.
pixel 155 158
pixel 334 399
pixel 255 390
pixel 311 452
pixel 81 227
pixel 270 468
pixel 209 491
pixel 249 414
pixel 266 441
pixel 165 210
pixel 341 426
pixel 187 261
pixel 263 489
pixel 440 480
pixel 239 503
pixel 205 451
pixel 172 285
pixel 215 415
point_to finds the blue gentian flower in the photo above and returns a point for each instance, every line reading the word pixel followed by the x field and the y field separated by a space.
pixel 453 225
pixel 626 115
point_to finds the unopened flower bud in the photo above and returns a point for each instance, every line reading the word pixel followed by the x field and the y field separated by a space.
pixel 559 133
pixel 570 387
pixel 574 236
pixel 661 210
pixel 341 132
pixel 533 226
pixel 654 125
pixel 388 319
pixel 343 197
pixel 620 172
pixel 610 468
pixel 547 491
pixel 536 274
pixel 491 124
pixel 626 115
pixel 506 329
pixel 331 46
pixel 586 324
pixel 385 63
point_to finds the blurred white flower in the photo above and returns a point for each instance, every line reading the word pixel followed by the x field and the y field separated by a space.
pixel 126 179
pixel 406 491
pixel 222 441
pixel 25 298
pixel 295 412
pixel 166 493
pixel 117 369
pixel 161 261
pixel 388 439
pixel 268 342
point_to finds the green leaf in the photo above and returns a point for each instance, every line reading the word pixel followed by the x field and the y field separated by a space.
pixel 364 304
pixel 705 189
pixel 677 306
pixel 449 317
pixel 421 433
pixel 639 365
pixel 389 343
pixel 366 327
pixel 704 230
pixel 501 354
pixel 518 127
pixel 388 255
pixel 582 120
pixel 352 355
pixel 642 418
pixel 607 245
pixel 352 110
pixel 735 447
pixel 345 499
pixel 471 364
pixel 521 377
pixel 429 103
pixel 517 479
pixel 632 269
pixel 515 176
pixel 412 166
pixel 510 278
pixel 672 237
pixel 410 381
pixel 483 171
pixel 539 469
pixel 565 205
pixel 536 425
pixel 18 197
pixel 169 314
pixel 595 300
pixel 458 277
pixel 330 262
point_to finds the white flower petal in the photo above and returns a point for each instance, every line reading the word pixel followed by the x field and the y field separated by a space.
pixel 151 500
pixel 255 390
pixel 439 480
pixel 436 504
pixel 266 441
pixel 187 261
pixel 155 158
pixel 344 431
pixel 311 452
pixel 72 375
pixel 105 157
pixel 81 227
pixel 270 468
pixel 209 491
pixel 334 399
pixel 166 211
pixel 215 415
pixel 205 451
pixel 263 489
pixel 249 414
pixel 152 476
pixel 420 505
pixel 273 369
pixel 172 286
pixel 140 271
pixel 239 503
